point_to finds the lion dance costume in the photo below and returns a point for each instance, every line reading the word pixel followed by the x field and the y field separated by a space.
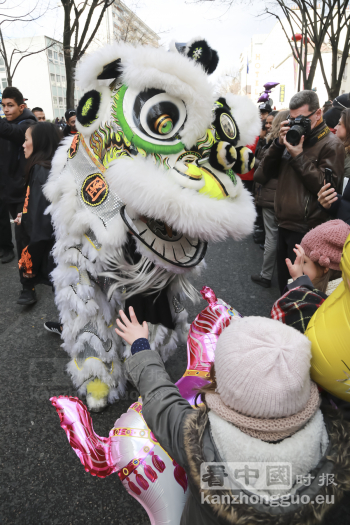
pixel 150 178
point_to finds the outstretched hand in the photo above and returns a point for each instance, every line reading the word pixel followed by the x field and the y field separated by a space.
pixel 131 330
pixel 296 269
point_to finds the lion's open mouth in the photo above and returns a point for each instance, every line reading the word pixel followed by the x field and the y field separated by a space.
pixel 173 247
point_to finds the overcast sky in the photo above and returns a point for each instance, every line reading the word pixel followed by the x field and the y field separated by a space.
pixel 227 31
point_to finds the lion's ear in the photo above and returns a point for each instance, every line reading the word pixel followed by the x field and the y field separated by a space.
pixel 111 70
pixel 93 108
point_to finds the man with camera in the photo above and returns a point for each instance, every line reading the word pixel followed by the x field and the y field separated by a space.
pixel 298 158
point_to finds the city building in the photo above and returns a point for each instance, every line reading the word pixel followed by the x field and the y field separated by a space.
pixel 269 59
pixel 41 77
pixel 121 24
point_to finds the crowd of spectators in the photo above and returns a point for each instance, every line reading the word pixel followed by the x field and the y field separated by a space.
pixel 27 145
pixel 303 221
pixel 288 181
pixel 291 192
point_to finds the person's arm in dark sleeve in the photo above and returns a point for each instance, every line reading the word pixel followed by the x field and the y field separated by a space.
pixel 312 173
pixel 272 160
pixel 333 210
pixel 259 174
pixel 13 132
pixel 163 407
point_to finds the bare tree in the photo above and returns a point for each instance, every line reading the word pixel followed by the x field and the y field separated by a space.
pixel 312 27
pixel 78 33
pixel 303 38
pixel 9 57
pixel 229 82
pixel 340 23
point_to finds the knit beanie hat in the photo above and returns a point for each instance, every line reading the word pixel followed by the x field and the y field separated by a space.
pixel 332 116
pixel 342 101
pixel 324 244
pixel 263 380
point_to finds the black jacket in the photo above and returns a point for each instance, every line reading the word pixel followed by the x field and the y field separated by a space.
pixel 12 161
pixel 340 209
pixel 67 132
pixel 265 189
pixel 37 230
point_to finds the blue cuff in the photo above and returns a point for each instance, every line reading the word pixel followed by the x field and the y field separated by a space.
pixel 140 344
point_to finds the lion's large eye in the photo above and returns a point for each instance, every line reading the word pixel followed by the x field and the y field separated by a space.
pixel 154 114
pixel 164 125
pixel 161 115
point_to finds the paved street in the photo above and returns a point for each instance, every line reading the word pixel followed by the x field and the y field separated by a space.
pixel 42 480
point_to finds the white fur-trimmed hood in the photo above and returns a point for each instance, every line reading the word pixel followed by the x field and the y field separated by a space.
pixel 303 449
pixel 146 67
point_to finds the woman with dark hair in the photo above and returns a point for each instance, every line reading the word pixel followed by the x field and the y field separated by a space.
pixel 41 142
pixel 338 206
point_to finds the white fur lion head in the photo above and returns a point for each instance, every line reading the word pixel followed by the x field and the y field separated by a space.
pixel 166 152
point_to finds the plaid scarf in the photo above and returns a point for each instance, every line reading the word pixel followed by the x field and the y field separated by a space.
pixel 296 307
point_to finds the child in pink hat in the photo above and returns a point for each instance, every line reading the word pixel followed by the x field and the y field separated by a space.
pixel 315 274
pixel 260 415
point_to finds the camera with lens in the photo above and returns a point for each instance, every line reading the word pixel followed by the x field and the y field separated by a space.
pixel 299 126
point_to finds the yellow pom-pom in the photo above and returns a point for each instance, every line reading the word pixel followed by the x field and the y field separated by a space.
pixel 97 389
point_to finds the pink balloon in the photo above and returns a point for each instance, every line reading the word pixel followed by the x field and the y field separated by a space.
pixel 147 472
pixel 93 451
pixel 201 343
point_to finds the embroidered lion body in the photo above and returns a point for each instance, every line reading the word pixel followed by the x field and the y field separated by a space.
pixel 153 167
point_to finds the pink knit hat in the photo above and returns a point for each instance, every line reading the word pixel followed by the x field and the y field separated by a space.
pixel 324 244
pixel 263 381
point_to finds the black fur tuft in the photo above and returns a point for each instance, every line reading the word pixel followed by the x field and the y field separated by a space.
pixel 222 156
pixel 111 70
pixel 213 63
pixel 89 104
pixel 245 160
pixel 203 54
